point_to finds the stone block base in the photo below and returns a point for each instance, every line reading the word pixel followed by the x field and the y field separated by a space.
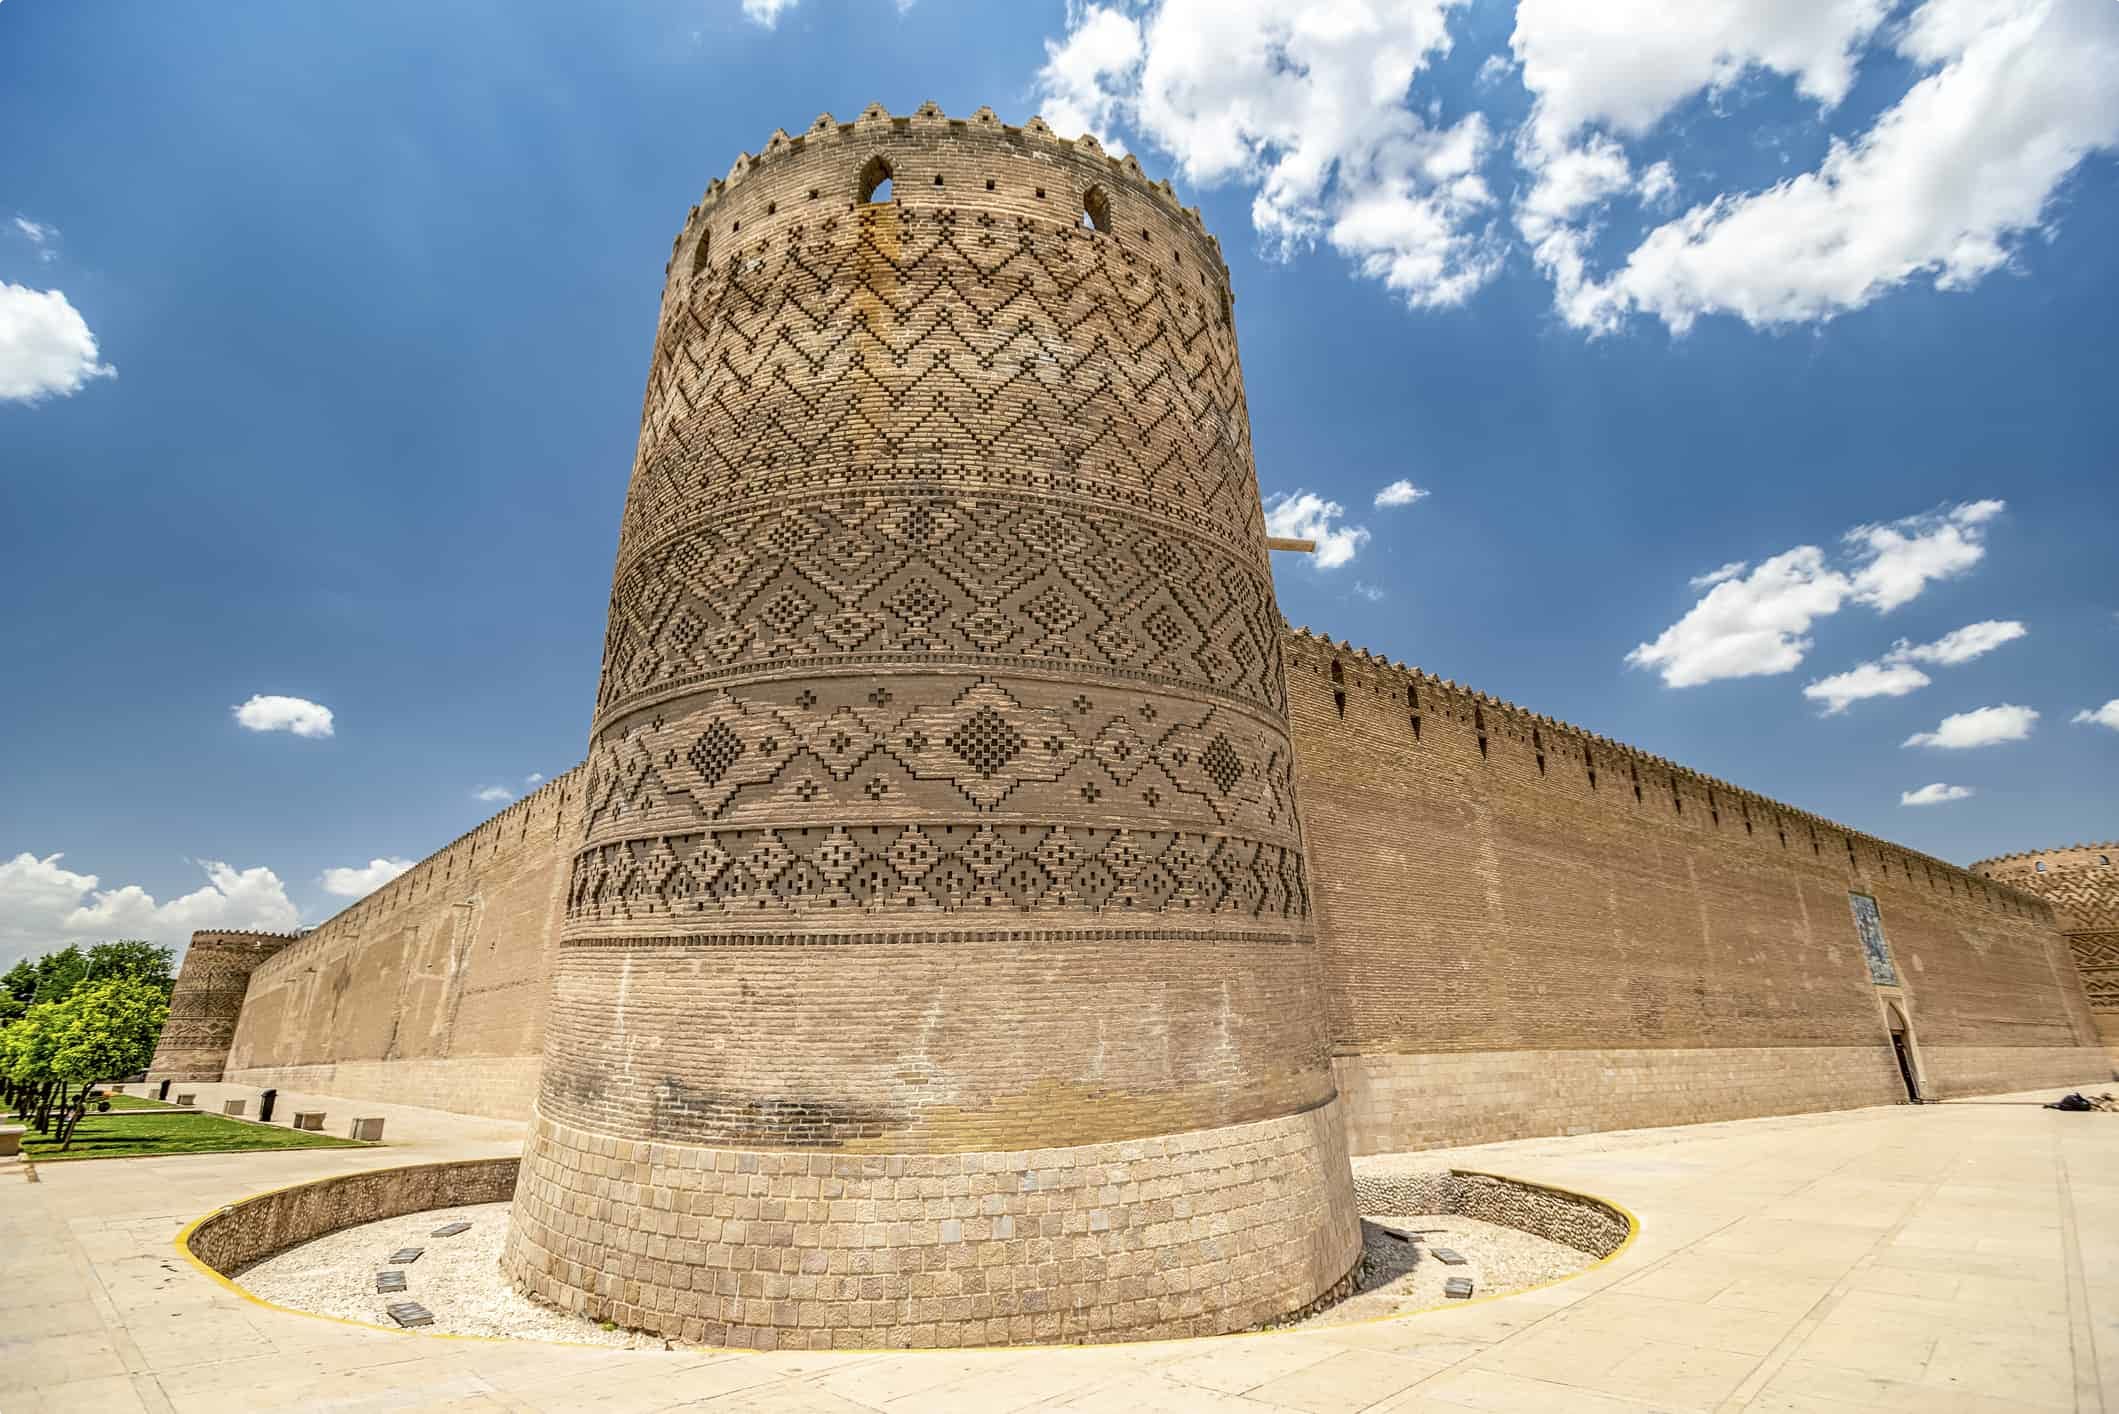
pixel 1180 1235
pixel 1995 1070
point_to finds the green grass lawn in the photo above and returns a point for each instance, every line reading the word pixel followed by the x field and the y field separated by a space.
pixel 135 1102
pixel 111 1137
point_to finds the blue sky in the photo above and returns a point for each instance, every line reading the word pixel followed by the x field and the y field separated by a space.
pixel 323 332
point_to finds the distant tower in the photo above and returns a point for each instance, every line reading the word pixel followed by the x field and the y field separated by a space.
pixel 2081 882
pixel 938 966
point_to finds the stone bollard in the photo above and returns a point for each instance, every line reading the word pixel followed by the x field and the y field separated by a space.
pixel 187 1099
pixel 309 1119
pixel 11 1140
pixel 368 1128
pixel 233 1107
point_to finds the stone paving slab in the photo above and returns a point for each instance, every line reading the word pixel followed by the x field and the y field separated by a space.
pixel 1949 1257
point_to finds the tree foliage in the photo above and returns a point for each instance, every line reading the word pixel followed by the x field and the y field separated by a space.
pixel 72 1020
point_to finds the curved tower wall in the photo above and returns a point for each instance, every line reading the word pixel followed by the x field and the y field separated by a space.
pixel 937 965
pixel 206 1005
pixel 2081 882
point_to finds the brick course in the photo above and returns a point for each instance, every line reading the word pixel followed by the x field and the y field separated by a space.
pixel 2081 882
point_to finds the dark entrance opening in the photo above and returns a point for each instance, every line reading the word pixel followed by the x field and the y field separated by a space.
pixel 265 1105
pixel 1905 1065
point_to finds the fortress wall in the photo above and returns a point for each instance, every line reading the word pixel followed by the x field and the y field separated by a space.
pixel 2081 882
pixel 431 990
pixel 1512 951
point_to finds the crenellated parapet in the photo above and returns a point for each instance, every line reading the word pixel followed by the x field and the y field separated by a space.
pixel 2081 883
pixel 1548 744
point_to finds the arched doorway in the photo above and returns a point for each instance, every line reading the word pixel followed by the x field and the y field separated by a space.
pixel 1902 1048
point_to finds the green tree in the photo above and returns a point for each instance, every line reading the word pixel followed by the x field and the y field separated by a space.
pixel 105 1029
pixel 133 957
pixel 58 973
pixel 20 983
pixel 26 1051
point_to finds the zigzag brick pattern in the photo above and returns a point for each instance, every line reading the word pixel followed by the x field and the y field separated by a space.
pixel 207 1003
pixel 939 803
pixel 2081 882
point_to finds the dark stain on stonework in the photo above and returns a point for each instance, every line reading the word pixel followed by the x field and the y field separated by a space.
pixel 693 1116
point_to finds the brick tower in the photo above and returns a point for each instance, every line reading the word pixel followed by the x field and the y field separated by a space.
pixel 937 966
pixel 2081 882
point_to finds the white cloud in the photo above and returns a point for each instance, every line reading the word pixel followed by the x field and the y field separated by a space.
pixel 267 713
pixel 40 234
pixel 1716 576
pixel 1370 592
pixel 1399 493
pixel 1751 625
pixel 1309 103
pixel 2105 716
pixel 1755 622
pixel 1904 556
pixel 533 778
pixel 1865 681
pixel 358 881
pixel 1960 645
pixel 44 905
pixel 1983 726
pixel 2015 95
pixel 1304 516
pixel 765 12
pixel 1936 794
pixel 1894 675
pixel 45 346
pixel 492 795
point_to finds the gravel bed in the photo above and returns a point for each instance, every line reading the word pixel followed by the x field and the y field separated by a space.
pixel 457 1278
pixel 1399 1276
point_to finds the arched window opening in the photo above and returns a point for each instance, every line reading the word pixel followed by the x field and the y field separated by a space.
pixel 875 181
pixel 2041 866
pixel 706 239
pixel 1096 209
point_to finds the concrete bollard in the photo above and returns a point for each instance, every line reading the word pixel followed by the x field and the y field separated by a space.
pixel 11 1140
pixel 309 1119
pixel 187 1099
pixel 368 1128
pixel 233 1107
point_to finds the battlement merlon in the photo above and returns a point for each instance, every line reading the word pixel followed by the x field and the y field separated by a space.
pixel 1019 158
pixel 1511 722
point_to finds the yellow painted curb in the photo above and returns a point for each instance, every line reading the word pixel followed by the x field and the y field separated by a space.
pixel 183 1246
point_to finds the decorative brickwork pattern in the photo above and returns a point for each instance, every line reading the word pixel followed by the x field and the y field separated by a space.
pixel 207 1004
pixel 2081 882
pixel 939 800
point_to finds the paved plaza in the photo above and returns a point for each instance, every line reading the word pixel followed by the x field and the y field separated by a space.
pixel 1955 1257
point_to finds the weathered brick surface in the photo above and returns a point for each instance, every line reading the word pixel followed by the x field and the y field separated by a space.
pixel 431 990
pixel 206 1007
pixel 939 799
pixel 1173 1235
pixel 2081 882
pixel 1512 950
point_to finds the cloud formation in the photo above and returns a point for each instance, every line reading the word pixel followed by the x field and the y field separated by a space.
pixel 492 795
pixel 1306 516
pixel 43 236
pixel 1983 726
pixel 1894 675
pixel 1328 112
pixel 2105 716
pixel 267 713
pixel 1755 621
pixel 44 905
pixel 1310 104
pixel 1399 493
pixel 358 881
pixel 1936 794
pixel 46 349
